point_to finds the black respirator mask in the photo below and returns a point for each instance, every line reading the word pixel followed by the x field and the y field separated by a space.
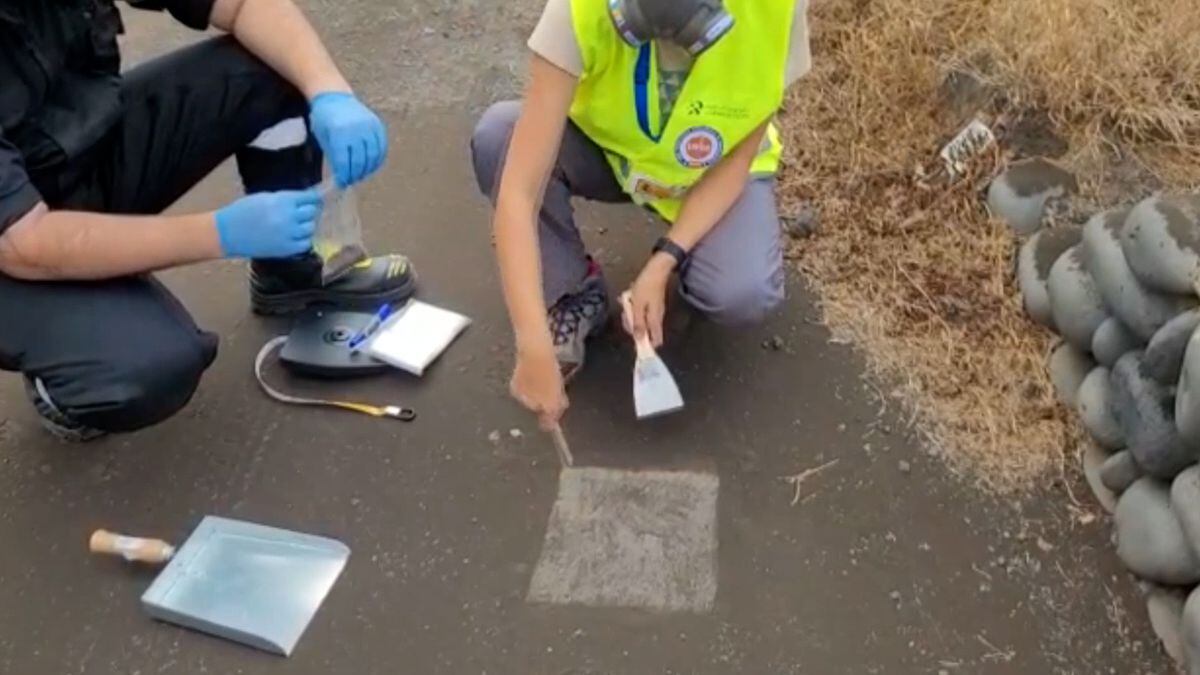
pixel 694 25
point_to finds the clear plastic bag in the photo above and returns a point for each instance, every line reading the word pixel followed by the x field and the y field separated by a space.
pixel 338 240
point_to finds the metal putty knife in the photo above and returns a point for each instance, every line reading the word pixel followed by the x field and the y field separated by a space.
pixel 655 392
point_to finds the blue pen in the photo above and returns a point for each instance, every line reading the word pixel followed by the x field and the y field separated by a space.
pixel 371 328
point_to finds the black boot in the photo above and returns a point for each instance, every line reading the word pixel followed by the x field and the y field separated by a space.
pixel 288 286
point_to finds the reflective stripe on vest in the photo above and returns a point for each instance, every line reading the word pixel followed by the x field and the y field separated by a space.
pixel 733 87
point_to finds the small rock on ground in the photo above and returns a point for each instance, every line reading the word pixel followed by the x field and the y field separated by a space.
pixel 1139 308
pixel 1120 471
pixel 1165 608
pixel 804 223
pixel 1161 240
pixel 1112 341
pixel 1187 395
pixel 1191 632
pixel 1185 502
pixel 1095 411
pixel 1019 195
pixel 1143 411
pixel 1075 303
pixel 1163 360
pixel 1093 459
pixel 1037 257
pixel 1068 368
pixel 1150 540
pixel 775 344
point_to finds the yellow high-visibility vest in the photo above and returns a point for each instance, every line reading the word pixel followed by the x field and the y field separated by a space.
pixel 733 87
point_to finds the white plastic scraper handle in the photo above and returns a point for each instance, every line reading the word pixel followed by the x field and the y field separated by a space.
pixel 134 549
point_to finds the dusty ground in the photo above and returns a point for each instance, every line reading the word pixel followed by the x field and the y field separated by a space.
pixel 885 565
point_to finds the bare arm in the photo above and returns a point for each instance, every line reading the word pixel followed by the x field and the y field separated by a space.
pixel 531 157
pixel 277 32
pixel 72 245
pixel 703 207
pixel 708 201
pixel 45 245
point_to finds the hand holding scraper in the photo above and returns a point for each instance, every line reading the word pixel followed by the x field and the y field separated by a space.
pixel 655 392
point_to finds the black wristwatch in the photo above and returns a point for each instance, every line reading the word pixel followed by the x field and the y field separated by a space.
pixel 665 245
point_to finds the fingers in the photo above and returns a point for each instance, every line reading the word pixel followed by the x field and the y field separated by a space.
pixel 352 136
pixel 302 198
pixel 357 154
pixel 374 137
pixel 627 312
pixel 381 145
pixel 304 230
pixel 342 164
pixel 550 416
pixel 548 421
pixel 639 317
pixel 654 323
pixel 548 405
pixel 307 212
pixel 324 140
pixel 359 158
pixel 527 401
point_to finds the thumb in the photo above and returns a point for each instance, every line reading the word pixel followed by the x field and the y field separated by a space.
pixel 550 416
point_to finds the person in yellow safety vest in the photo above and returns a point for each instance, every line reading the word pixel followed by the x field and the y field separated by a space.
pixel 668 104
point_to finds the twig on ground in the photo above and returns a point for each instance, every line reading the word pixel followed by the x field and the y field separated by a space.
pixel 980 572
pixel 798 479
pixel 996 654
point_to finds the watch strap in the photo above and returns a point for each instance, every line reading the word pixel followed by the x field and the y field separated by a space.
pixel 665 245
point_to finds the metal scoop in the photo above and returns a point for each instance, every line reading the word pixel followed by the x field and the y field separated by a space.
pixel 243 582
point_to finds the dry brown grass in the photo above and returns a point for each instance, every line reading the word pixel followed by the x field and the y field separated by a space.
pixel 920 278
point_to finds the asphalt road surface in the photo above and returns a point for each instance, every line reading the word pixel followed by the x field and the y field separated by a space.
pixel 675 548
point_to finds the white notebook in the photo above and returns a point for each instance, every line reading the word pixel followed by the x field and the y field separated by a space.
pixel 415 336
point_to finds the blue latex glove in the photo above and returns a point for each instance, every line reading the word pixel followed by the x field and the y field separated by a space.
pixel 269 224
pixel 352 137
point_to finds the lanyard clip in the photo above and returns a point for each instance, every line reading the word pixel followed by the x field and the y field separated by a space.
pixel 398 413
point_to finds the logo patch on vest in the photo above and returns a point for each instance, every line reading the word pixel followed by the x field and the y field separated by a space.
pixel 699 147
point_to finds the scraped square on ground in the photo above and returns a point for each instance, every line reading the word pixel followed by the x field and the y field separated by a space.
pixel 643 539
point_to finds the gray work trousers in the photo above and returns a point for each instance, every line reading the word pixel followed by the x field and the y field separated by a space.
pixel 735 274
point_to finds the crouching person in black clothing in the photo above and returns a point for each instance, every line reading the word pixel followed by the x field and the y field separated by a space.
pixel 89 156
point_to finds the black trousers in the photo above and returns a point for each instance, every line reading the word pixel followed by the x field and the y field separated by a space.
pixel 123 354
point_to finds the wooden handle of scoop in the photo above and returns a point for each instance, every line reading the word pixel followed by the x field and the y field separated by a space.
pixel 134 549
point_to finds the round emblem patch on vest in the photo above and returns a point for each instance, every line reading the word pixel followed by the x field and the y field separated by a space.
pixel 699 147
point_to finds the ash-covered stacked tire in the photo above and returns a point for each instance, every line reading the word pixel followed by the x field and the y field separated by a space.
pixel 1122 294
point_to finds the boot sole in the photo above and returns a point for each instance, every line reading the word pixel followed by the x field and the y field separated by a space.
pixel 283 304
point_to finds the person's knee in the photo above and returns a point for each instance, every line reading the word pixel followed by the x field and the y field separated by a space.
pixel 128 394
pixel 741 301
pixel 489 143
